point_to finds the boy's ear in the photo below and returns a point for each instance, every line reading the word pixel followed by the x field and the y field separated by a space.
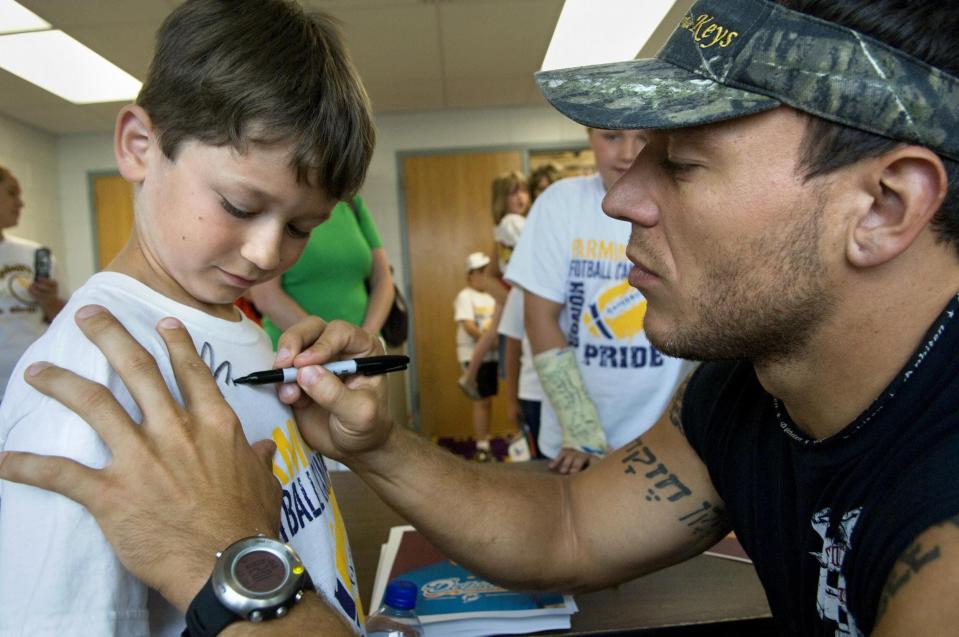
pixel 905 188
pixel 132 140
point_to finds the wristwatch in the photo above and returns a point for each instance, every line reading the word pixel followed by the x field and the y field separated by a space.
pixel 255 579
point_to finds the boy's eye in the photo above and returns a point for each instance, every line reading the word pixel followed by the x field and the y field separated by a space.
pixel 298 233
pixel 233 210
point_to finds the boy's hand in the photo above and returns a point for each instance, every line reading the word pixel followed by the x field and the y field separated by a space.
pixel 182 485
pixel 339 418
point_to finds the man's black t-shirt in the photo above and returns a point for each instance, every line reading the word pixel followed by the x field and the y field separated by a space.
pixel 824 521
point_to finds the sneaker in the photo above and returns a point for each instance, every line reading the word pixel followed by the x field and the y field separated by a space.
pixel 469 388
pixel 482 455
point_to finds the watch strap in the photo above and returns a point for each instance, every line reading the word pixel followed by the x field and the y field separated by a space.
pixel 207 616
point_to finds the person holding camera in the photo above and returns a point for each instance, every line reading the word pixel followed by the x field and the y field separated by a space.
pixel 29 296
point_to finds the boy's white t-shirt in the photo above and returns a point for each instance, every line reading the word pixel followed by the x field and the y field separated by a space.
pixel 472 305
pixel 573 254
pixel 511 325
pixel 58 574
pixel 21 318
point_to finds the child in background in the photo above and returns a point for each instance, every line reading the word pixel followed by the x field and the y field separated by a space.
pixel 510 204
pixel 473 312
pixel 251 125
pixel 542 177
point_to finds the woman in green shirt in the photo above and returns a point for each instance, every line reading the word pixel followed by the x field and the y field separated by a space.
pixel 330 278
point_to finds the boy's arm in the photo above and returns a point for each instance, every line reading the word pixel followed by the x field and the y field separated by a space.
pixel 577 415
pixel 512 353
pixel 276 304
pixel 472 328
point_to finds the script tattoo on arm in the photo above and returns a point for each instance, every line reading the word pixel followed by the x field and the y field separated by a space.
pixel 912 560
pixel 702 518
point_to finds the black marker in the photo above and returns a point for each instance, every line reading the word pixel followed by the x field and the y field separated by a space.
pixel 369 366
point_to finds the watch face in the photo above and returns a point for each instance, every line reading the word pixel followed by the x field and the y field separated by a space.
pixel 260 571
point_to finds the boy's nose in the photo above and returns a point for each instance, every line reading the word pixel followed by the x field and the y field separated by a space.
pixel 262 249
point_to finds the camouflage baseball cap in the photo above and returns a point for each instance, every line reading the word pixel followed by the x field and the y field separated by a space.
pixel 731 58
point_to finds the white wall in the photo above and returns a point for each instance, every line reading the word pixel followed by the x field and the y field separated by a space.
pixel 31 155
pixel 468 129
pixel 78 156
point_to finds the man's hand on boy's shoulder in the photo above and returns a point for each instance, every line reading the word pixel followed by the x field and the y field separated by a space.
pixel 181 485
pixel 340 418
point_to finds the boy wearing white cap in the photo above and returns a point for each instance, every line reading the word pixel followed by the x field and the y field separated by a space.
pixel 473 312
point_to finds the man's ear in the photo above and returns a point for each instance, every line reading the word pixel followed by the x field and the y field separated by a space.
pixel 132 140
pixel 906 187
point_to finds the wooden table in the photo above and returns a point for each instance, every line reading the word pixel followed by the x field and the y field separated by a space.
pixel 703 596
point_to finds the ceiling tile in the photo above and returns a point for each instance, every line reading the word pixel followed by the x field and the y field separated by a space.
pixel 488 38
pixel 65 14
pixel 395 41
pixel 477 92
pixel 396 95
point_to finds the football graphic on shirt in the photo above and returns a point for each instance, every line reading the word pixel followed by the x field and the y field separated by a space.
pixel 17 279
pixel 616 313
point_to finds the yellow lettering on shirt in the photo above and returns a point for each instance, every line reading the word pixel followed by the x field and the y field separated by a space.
pixel 289 446
pixel 342 555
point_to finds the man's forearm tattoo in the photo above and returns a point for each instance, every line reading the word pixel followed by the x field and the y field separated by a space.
pixel 912 560
pixel 664 486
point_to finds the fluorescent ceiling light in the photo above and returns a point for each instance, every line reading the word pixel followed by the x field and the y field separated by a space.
pixel 15 17
pixel 591 32
pixel 56 62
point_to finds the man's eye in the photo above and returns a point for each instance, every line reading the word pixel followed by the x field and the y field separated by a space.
pixel 673 168
pixel 233 210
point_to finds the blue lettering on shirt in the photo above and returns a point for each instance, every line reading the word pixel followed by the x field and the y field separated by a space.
pixel 575 300
pixel 622 356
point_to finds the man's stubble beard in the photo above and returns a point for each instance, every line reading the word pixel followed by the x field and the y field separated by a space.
pixel 762 303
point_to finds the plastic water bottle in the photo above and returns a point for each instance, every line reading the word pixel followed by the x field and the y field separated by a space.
pixel 396 617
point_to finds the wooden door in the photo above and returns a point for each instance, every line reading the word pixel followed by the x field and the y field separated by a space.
pixel 113 201
pixel 448 216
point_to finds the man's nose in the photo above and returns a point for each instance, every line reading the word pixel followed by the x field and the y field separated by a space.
pixel 630 198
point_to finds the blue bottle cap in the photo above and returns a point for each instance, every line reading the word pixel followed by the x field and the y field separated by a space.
pixel 400 593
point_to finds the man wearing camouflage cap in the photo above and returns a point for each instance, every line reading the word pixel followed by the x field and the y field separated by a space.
pixel 794 224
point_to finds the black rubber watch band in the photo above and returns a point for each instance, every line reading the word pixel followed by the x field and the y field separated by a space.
pixel 207 616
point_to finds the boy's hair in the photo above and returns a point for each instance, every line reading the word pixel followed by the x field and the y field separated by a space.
pixel 503 186
pixel 243 72
pixel 829 146
pixel 4 171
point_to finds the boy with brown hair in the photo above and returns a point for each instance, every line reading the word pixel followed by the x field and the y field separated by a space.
pixel 251 125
